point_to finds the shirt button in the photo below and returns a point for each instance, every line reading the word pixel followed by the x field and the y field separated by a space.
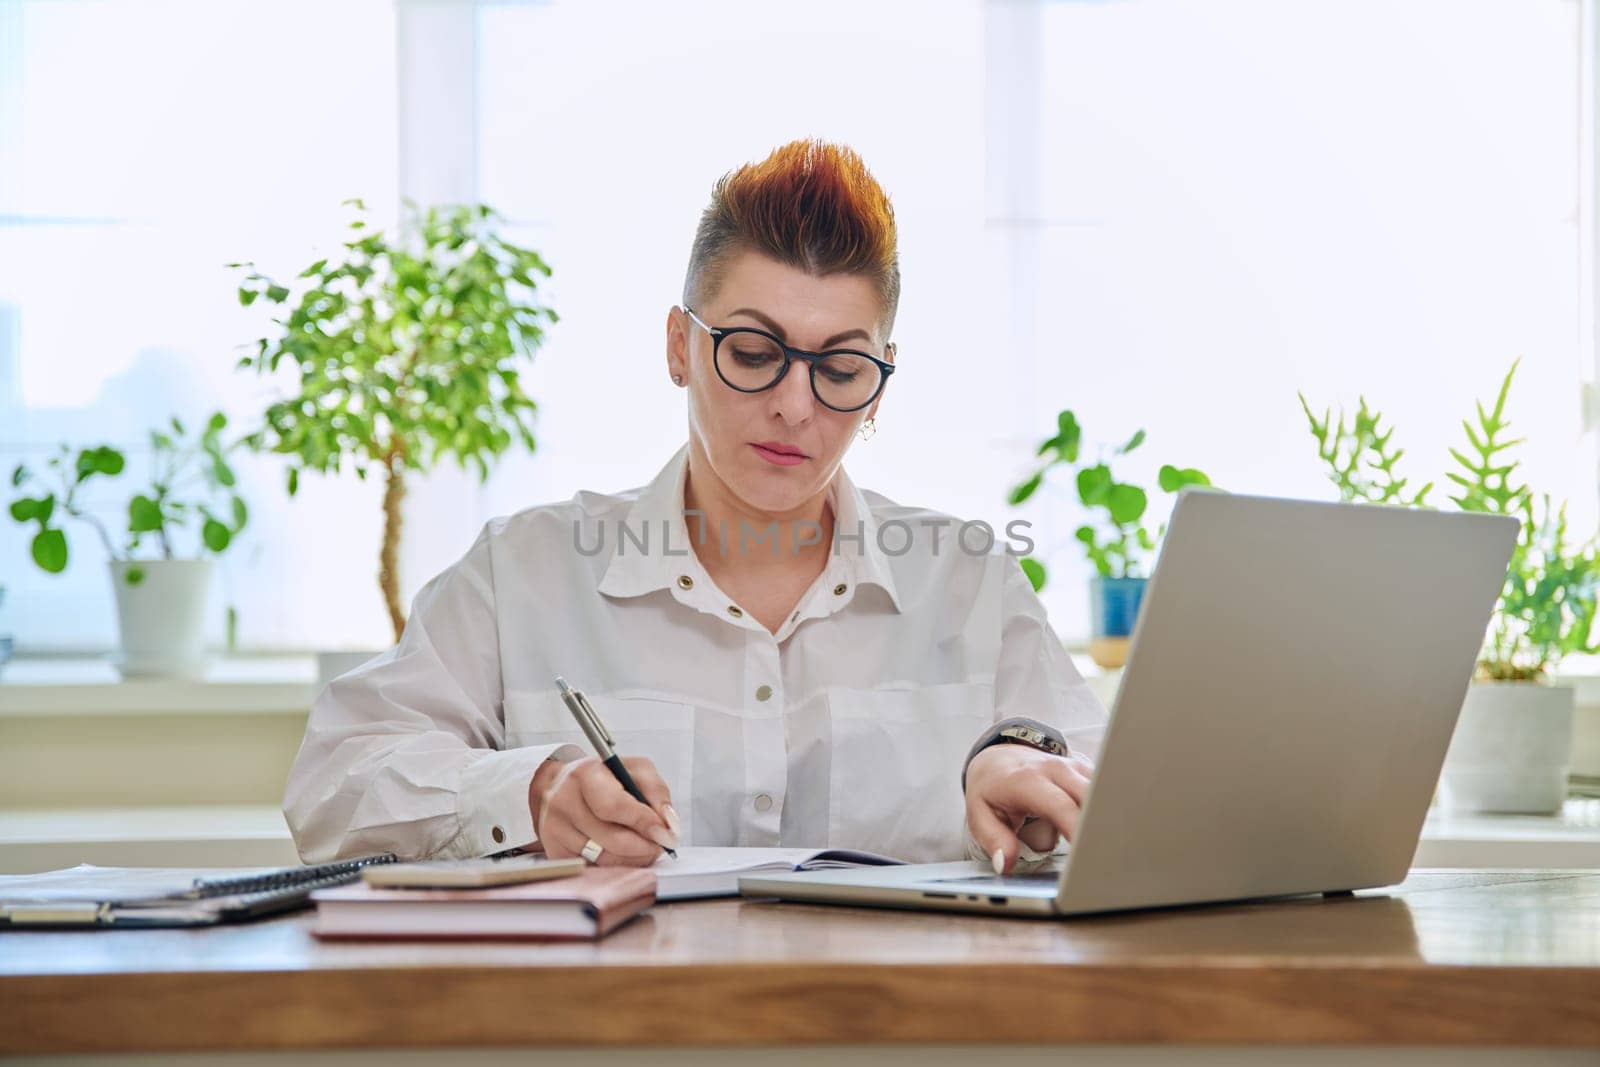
pixel 838 590
pixel 498 834
pixel 763 803
pixel 764 693
pixel 685 582
pixel 733 609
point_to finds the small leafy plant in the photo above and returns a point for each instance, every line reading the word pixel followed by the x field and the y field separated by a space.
pixel 407 351
pixel 1546 609
pixel 191 485
pixel 1116 540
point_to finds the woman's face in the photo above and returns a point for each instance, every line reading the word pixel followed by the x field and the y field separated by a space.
pixel 727 426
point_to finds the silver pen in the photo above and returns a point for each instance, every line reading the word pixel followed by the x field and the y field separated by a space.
pixel 599 737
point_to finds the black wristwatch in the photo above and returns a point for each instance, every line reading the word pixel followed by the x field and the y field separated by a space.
pixel 1017 731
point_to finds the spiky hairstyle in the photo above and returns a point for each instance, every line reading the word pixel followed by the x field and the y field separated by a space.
pixel 810 204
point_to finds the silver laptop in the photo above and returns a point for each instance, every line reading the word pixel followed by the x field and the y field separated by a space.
pixel 1292 685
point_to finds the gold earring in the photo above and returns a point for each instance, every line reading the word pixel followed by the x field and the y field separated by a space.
pixel 868 428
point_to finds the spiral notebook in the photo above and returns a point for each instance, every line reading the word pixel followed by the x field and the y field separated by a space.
pixel 88 897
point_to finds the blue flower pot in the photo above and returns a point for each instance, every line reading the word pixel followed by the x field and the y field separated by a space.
pixel 1113 611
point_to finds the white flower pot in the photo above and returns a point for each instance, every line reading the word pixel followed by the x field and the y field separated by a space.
pixel 1511 751
pixel 161 616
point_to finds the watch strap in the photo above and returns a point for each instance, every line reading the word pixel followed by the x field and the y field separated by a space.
pixel 1033 733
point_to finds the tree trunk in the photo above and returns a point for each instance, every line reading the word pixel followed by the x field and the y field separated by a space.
pixel 389 557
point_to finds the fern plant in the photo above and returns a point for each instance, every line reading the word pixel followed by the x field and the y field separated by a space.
pixel 1546 609
pixel 1359 458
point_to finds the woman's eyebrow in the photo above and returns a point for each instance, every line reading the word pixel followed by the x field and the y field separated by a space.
pixel 772 325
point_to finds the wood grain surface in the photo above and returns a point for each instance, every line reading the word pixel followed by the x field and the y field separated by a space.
pixel 1451 958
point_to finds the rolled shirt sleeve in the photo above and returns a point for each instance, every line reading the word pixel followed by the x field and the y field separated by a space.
pixel 406 754
pixel 1035 677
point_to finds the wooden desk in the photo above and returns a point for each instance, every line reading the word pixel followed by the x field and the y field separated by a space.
pixel 1499 958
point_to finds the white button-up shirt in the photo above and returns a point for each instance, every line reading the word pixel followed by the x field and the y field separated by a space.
pixel 848 727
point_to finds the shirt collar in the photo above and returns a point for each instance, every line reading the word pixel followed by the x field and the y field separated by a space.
pixel 865 556
pixel 658 508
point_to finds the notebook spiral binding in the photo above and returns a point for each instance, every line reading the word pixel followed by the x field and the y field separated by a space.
pixel 304 878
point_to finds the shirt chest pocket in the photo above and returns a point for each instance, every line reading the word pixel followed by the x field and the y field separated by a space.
pixel 895 777
pixel 662 731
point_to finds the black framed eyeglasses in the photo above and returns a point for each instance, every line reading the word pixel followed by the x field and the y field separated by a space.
pixel 753 361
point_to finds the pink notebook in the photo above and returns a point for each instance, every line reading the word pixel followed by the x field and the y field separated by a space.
pixel 583 907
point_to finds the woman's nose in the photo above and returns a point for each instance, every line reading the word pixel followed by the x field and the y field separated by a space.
pixel 792 397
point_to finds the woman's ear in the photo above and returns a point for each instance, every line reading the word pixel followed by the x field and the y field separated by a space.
pixel 677 346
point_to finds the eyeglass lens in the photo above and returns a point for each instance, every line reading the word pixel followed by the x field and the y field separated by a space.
pixel 751 362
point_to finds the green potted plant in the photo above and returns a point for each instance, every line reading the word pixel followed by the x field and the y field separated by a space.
pixel 168 532
pixel 1115 539
pixel 407 351
pixel 1512 749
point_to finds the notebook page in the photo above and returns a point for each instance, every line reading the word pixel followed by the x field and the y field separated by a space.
pixel 87 882
pixel 713 871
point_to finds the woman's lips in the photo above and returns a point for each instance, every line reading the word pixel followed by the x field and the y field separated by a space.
pixel 781 459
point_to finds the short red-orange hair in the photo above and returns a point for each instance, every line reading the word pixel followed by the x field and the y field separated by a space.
pixel 810 204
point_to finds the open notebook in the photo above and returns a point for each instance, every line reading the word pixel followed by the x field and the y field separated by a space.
pixel 714 872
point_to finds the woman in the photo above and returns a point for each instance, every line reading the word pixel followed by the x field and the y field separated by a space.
pixel 783 658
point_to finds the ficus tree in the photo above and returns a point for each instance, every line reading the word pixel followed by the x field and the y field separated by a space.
pixel 406 350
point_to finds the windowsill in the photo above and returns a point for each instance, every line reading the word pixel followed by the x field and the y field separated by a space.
pixel 1580 672
pixel 223 835
pixel 91 686
pixel 287 683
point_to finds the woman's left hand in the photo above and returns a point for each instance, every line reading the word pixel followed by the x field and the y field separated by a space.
pixel 1008 784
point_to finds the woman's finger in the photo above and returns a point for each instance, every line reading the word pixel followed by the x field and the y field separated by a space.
pixel 620 846
pixel 656 793
pixel 1040 835
pixel 1066 774
pixel 992 834
pixel 607 799
pixel 562 839
pixel 1041 796
pixel 557 837
pixel 566 824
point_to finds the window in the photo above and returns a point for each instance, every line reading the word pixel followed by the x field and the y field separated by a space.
pixel 1240 199
pixel 142 146
pixel 605 145
pixel 1168 215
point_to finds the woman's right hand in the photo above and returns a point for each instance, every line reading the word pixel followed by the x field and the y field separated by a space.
pixel 573 803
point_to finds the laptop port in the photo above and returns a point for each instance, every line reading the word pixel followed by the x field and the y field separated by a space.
pixel 998 900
